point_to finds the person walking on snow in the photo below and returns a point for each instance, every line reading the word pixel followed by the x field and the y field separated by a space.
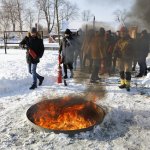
pixel 35 50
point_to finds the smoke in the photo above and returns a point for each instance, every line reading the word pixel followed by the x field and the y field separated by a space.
pixel 139 13
pixel 138 10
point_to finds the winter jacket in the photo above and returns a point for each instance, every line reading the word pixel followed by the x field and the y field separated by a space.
pixel 67 50
pixel 36 44
pixel 110 42
pixel 124 48
pixel 98 48
pixel 143 48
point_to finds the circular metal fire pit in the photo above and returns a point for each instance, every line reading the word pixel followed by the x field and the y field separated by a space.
pixel 69 115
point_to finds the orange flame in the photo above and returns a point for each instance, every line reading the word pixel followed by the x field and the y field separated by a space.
pixel 66 114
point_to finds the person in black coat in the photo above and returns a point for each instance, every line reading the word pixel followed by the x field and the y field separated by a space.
pixel 142 53
pixel 67 52
pixel 35 50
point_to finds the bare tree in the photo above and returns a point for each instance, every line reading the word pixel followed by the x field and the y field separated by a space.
pixel 121 16
pixel 57 15
pixel 47 7
pixel 69 11
pixel 4 20
pixel 19 11
pixel 29 17
pixel 14 10
pixel 10 8
pixel 86 15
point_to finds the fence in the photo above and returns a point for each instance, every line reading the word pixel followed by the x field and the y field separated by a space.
pixel 9 37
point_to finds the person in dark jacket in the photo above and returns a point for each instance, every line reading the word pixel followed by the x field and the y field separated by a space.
pixel 67 51
pixel 35 50
pixel 109 50
pixel 98 53
pixel 143 50
pixel 77 48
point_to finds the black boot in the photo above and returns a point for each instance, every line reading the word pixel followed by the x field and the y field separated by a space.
pixel 65 76
pixel 128 89
pixel 33 86
pixel 128 80
pixel 93 81
pixel 128 85
pixel 148 69
pixel 41 81
pixel 122 86
pixel 145 74
pixel 65 71
pixel 71 76
pixel 133 68
pixel 139 75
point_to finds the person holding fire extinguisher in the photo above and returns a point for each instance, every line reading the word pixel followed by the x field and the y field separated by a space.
pixel 67 52
pixel 35 50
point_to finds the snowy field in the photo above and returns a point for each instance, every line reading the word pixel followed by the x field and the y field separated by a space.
pixel 125 127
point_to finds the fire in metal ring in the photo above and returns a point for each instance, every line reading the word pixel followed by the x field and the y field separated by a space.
pixel 69 115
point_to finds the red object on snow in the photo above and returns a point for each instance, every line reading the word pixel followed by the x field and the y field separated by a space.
pixel 32 53
pixel 59 78
pixel 59 59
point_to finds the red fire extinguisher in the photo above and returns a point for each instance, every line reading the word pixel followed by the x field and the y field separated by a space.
pixel 59 78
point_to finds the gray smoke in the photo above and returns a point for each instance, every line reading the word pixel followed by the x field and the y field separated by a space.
pixel 140 13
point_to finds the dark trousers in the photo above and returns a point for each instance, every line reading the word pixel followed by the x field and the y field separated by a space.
pixel 69 65
pixel 87 57
pixel 143 66
pixel 114 60
pixel 109 63
pixel 76 54
pixel 95 69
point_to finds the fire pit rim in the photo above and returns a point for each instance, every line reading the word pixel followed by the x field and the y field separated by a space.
pixel 70 132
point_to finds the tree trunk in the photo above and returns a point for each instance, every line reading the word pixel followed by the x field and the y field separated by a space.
pixel 19 15
pixel 53 20
pixel 14 27
pixel 57 14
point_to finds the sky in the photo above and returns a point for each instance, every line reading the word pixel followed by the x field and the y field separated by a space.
pixel 103 10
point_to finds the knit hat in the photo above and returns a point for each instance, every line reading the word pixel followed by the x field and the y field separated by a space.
pixel 33 30
pixel 68 32
pixel 123 29
pixel 102 31
pixel 144 32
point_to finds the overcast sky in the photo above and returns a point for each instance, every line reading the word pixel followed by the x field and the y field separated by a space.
pixel 103 9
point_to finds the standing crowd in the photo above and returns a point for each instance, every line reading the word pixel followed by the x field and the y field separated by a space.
pixel 106 52
pixel 103 51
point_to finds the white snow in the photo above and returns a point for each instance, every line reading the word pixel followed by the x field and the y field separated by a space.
pixel 126 125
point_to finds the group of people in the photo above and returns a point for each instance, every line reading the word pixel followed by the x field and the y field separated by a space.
pixel 104 50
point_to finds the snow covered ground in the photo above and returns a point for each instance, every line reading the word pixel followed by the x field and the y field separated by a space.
pixel 125 127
